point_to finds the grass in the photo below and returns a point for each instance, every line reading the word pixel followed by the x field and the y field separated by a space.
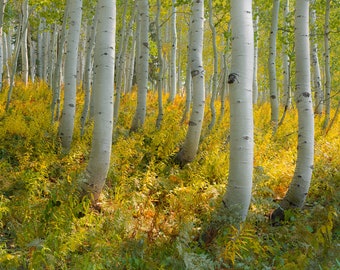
pixel 152 210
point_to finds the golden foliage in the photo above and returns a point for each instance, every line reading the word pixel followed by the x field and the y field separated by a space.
pixel 152 210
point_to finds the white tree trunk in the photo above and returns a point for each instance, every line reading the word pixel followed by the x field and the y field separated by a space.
pixel 91 34
pixel 224 85
pixel 121 58
pixel 22 28
pixel 40 47
pixel 237 197
pixel 299 186
pixel 316 67
pixel 214 76
pixel 142 65
pixel 328 78
pixel 160 72
pixel 2 8
pixel 130 68
pixel 191 143
pixel 52 55
pixel 287 99
pixel 256 49
pixel 24 47
pixel 56 82
pixel 46 37
pixel 188 88
pixel 69 107
pixel 6 74
pixel 173 61
pixel 33 56
pixel 104 58
pixel 274 99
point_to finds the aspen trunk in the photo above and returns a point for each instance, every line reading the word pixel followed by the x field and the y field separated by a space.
pixel 328 78
pixel 69 107
pixel 173 61
pixel 104 58
pixel 299 186
pixel 191 143
pixel 274 98
pixel 142 65
pixel 237 197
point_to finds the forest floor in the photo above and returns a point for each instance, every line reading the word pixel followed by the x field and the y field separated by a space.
pixel 152 210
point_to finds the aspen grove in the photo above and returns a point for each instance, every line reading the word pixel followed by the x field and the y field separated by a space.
pixel 171 134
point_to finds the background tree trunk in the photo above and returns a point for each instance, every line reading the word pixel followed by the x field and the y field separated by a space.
pixel 160 72
pixel 191 143
pixel 91 34
pixel 142 65
pixel 316 67
pixel 2 9
pixel 274 97
pixel 173 61
pixel 214 76
pixel 256 49
pixel 328 78
pixel 69 107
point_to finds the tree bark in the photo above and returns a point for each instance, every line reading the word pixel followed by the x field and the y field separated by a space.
pixel 96 172
pixel 173 73
pixel 191 143
pixel 160 72
pixel 2 8
pixel 142 65
pixel 24 46
pixel 69 107
pixel 328 78
pixel 316 67
pixel 214 76
pixel 56 79
pixel 298 189
pixel 274 98
pixel 91 33
pixel 237 198
pixel 256 49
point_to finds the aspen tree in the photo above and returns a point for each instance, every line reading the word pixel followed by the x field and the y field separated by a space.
pixel 56 79
pixel 191 143
pixel 188 88
pixel 328 79
pixel 287 97
pixel 91 33
pixel 142 65
pixel 298 189
pixel 237 197
pixel 256 50
pixel 66 125
pixel 173 60
pixel 95 175
pixel 121 58
pixel 160 72
pixel 24 46
pixel 22 29
pixel 2 8
pixel 316 67
pixel 214 76
pixel 274 98
pixel 236 200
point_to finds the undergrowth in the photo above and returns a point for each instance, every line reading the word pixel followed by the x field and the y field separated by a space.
pixel 153 210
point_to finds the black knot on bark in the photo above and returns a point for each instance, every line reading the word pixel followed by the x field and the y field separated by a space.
pixel 232 78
